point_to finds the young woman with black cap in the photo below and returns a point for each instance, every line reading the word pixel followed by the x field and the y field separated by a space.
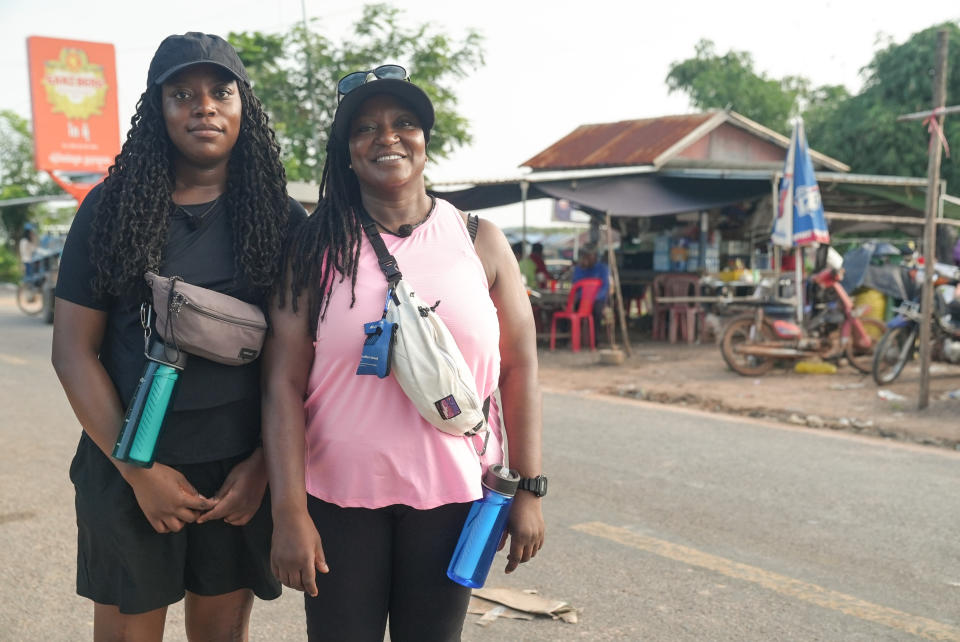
pixel 197 191
pixel 368 497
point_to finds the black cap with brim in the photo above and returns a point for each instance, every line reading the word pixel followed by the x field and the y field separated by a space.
pixel 179 52
pixel 402 89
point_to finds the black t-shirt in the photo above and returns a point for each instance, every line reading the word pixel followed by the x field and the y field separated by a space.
pixel 216 412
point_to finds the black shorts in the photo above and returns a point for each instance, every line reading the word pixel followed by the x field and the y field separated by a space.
pixel 122 561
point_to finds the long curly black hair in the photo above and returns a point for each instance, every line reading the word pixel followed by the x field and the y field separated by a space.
pixel 328 244
pixel 129 230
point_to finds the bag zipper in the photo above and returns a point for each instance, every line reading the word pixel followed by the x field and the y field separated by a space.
pixel 181 300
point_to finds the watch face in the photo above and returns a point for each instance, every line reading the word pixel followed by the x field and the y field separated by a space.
pixel 536 485
pixel 541 486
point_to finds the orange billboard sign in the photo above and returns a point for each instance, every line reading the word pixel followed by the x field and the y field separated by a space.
pixel 73 90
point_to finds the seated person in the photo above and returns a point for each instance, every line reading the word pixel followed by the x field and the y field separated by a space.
pixel 541 274
pixel 527 266
pixel 589 267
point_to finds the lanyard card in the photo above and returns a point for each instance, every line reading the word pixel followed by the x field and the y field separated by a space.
pixel 378 345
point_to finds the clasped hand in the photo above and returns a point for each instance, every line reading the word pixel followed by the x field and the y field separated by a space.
pixel 169 501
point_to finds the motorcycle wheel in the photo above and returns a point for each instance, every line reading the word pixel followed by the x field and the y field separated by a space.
pixel 745 330
pixel 862 358
pixel 893 352
pixel 29 299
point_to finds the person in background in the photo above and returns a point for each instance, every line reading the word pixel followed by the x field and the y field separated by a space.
pixel 368 497
pixel 528 269
pixel 197 191
pixel 27 247
pixel 541 274
pixel 589 266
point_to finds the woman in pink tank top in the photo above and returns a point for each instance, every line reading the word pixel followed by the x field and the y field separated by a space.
pixel 368 497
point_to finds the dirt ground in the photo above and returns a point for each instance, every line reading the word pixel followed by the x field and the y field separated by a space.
pixel 696 376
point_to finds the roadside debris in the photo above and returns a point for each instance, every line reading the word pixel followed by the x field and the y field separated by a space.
pixel 815 367
pixel 493 603
pixel 952 394
pixel 890 395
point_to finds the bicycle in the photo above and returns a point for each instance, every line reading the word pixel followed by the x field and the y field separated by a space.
pixel 30 295
pixel 35 292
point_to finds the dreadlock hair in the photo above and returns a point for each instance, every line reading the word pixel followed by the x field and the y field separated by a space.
pixel 328 243
pixel 129 230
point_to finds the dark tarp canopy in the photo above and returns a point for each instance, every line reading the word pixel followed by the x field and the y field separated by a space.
pixel 636 195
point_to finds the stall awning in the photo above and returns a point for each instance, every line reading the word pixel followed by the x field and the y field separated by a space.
pixel 868 201
pixel 637 195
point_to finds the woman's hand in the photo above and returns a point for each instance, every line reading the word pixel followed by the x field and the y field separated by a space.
pixel 296 553
pixel 167 499
pixel 526 529
pixel 242 492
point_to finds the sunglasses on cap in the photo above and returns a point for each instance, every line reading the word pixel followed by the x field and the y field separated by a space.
pixel 353 80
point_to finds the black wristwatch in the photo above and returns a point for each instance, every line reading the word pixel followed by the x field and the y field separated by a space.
pixel 536 485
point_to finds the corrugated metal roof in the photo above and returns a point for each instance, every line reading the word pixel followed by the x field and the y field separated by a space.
pixel 627 142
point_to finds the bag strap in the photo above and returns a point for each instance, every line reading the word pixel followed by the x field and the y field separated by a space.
pixel 387 262
pixel 473 224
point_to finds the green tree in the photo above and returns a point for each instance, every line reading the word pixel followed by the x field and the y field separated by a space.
pixel 863 129
pixel 18 177
pixel 295 75
pixel 729 81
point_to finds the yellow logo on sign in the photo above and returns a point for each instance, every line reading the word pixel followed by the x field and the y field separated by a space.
pixel 75 87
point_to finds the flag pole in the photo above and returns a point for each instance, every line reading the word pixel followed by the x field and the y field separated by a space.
pixel 798 276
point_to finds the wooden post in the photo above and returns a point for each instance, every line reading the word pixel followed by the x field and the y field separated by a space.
pixel 929 227
pixel 615 287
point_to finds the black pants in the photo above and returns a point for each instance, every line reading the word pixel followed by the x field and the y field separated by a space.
pixel 390 560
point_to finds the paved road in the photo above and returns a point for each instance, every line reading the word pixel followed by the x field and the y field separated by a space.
pixel 662 525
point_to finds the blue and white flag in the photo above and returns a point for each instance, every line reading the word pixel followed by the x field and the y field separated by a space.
pixel 800 219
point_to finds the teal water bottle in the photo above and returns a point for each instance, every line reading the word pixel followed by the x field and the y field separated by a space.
pixel 143 422
pixel 484 527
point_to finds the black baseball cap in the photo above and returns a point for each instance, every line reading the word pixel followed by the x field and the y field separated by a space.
pixel 194 48
pixel 402 89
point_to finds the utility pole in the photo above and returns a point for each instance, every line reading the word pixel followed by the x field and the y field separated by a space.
pixel 935 119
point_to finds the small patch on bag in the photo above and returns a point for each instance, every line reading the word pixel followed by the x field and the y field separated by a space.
pixel 447 407
pixel 246 354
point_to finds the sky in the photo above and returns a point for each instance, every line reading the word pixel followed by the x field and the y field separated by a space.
pixel 550 66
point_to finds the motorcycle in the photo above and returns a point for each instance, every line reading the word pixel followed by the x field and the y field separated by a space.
pixel 752 343
pixel 899 344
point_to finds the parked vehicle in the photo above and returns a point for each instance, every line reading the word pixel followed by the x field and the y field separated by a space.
pixel 752 343
pixel 900 342
pixel 35 292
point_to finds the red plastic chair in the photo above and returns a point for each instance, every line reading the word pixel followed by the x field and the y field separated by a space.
pixel 575 313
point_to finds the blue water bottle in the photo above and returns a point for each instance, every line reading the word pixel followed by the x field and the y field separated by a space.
pixel 484 527
pixel 137 441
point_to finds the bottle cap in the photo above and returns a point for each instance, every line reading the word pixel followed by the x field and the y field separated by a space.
pixel 167 354
pixel 501 480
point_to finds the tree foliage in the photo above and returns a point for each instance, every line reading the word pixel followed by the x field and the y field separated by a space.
pixel 729 81
pixel 295 76
pixel 863 129
pixel 18 177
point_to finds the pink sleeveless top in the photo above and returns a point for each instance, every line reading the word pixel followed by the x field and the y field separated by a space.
pixel 366 444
